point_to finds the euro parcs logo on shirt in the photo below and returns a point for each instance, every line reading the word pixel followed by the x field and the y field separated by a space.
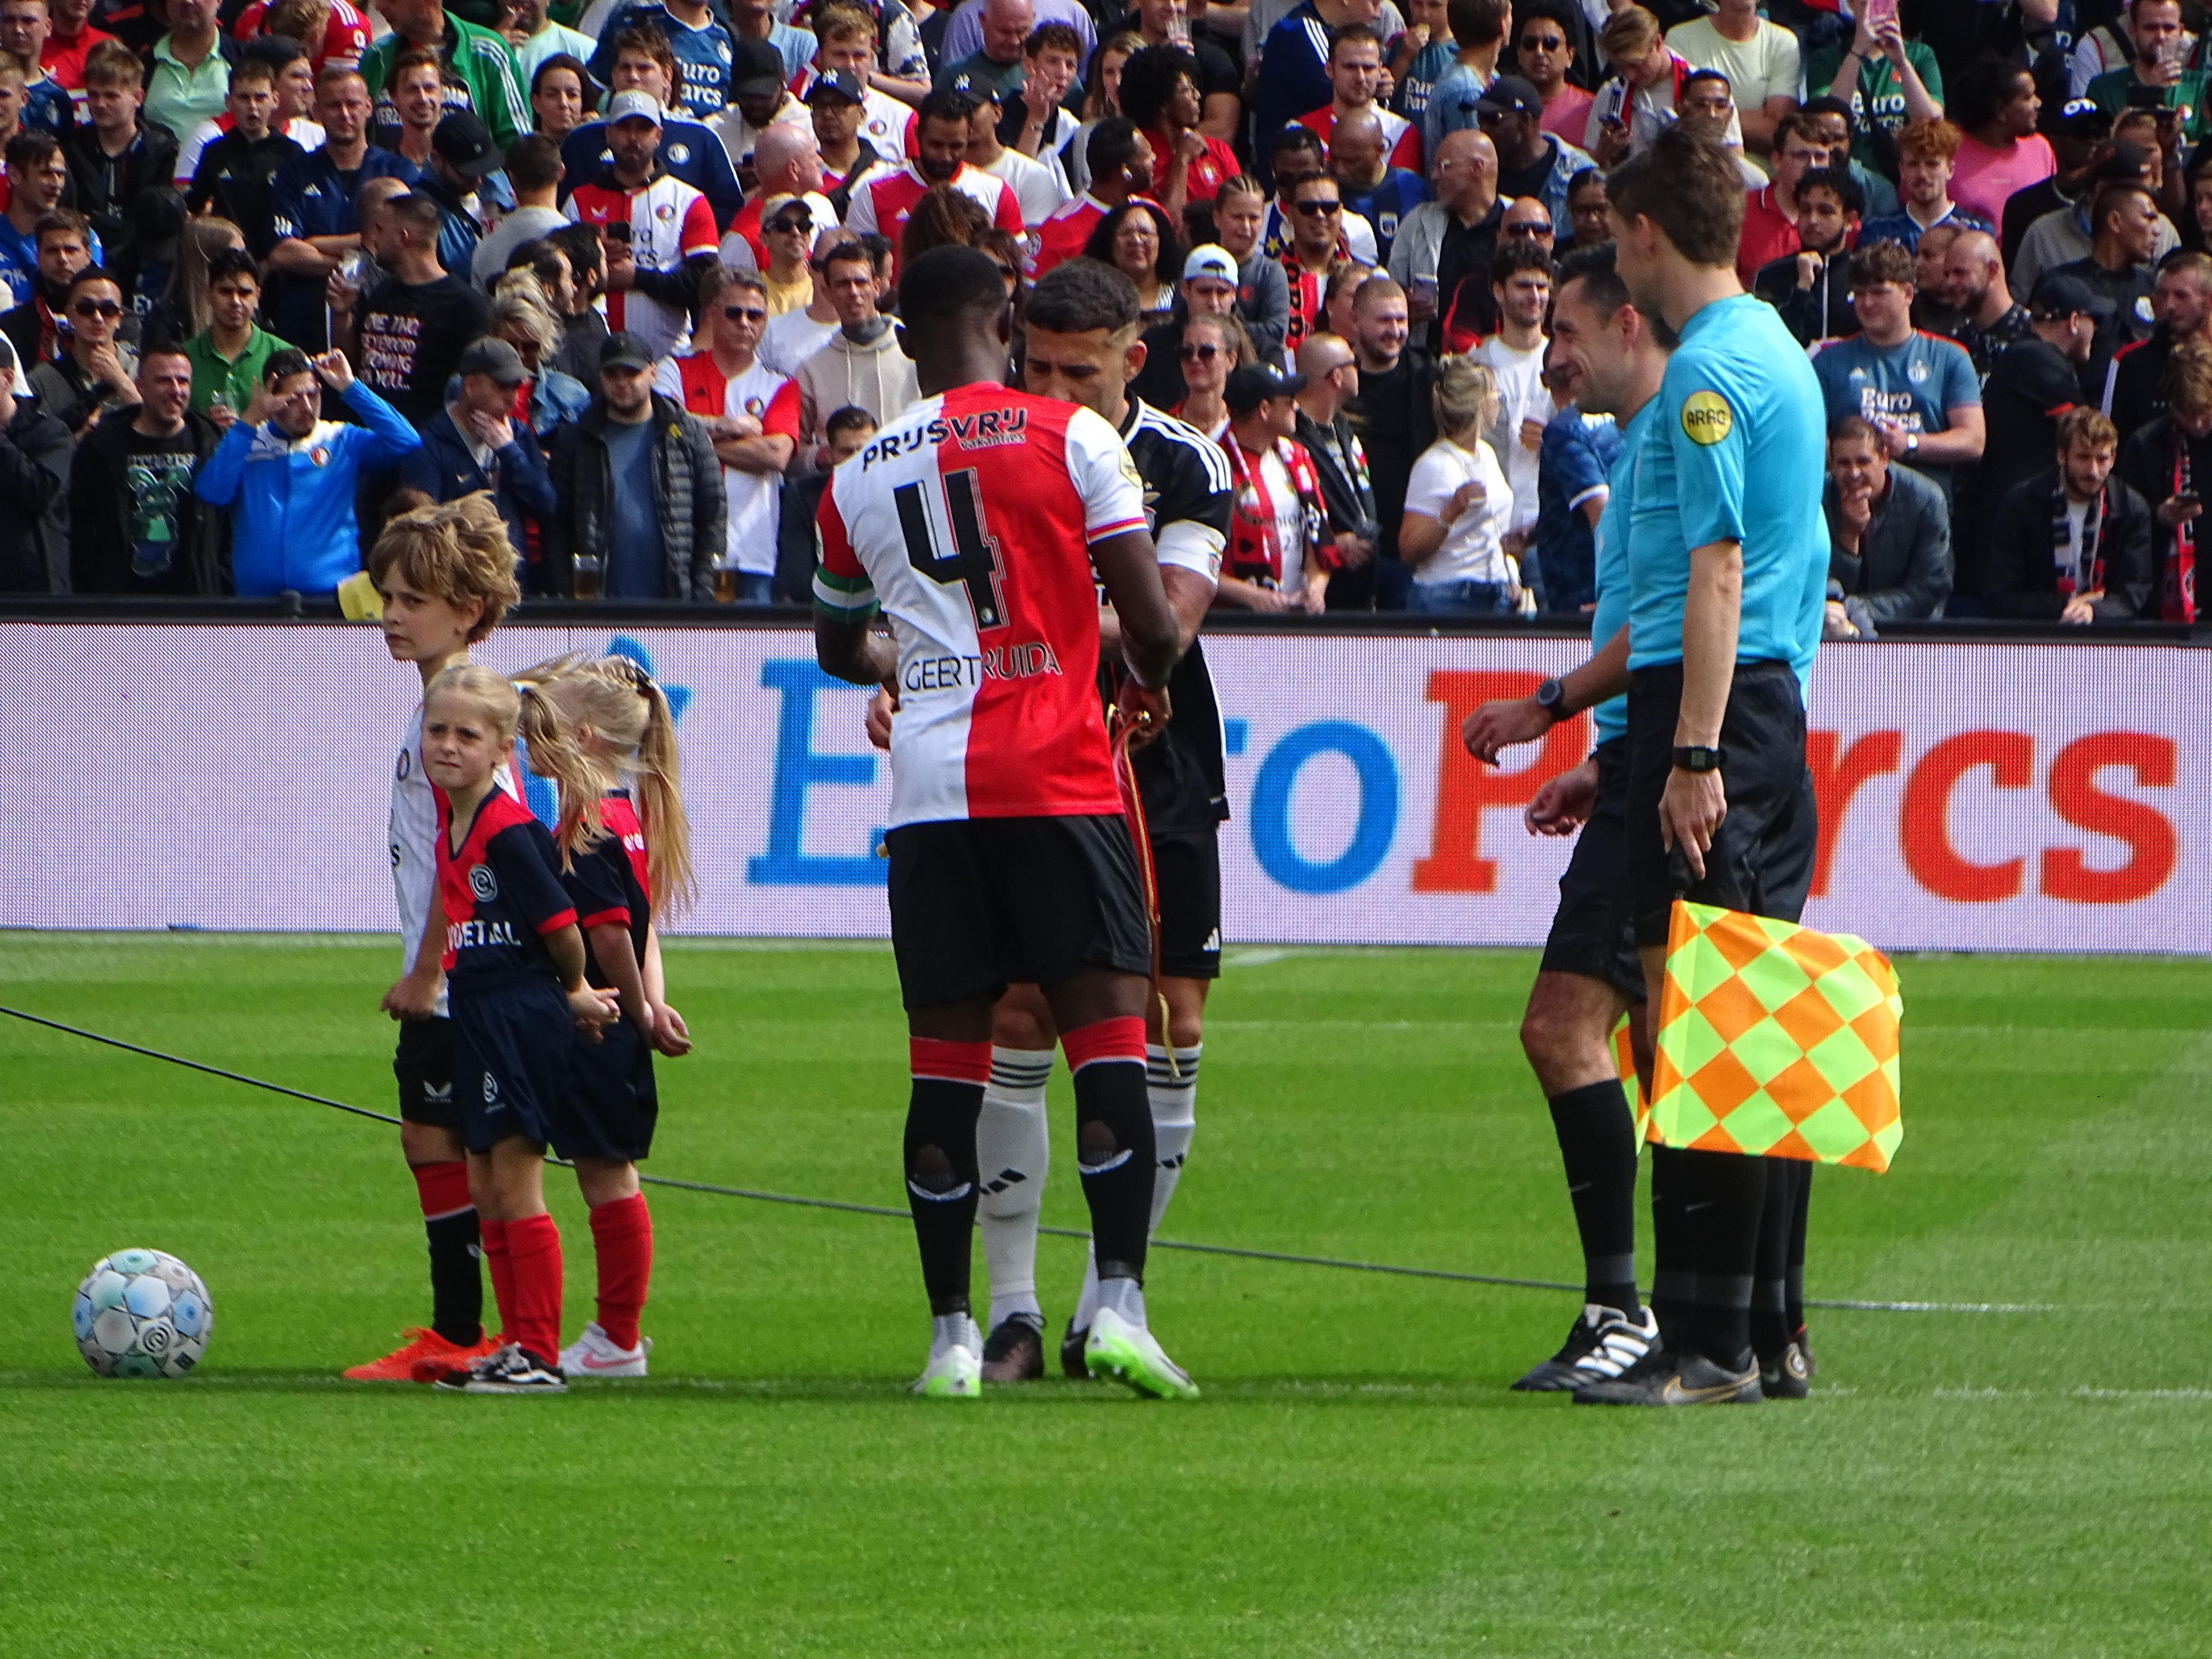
pixel 1706 417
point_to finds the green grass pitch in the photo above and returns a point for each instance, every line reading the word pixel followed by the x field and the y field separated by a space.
pixel 1357 1480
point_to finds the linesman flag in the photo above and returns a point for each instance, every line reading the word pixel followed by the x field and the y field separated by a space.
pixel 1775 1040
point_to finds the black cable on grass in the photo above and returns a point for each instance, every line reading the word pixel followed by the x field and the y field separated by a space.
pixel 1057 1232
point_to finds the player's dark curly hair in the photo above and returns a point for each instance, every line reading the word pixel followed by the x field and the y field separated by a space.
pixel 947 284
pixel 1149 80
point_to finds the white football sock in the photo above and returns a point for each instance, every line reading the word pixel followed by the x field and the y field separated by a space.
pixel 1173 1102
pixel 1013 1152
pixel 952 1331
pixel 1126 1297
pixel 1174 1096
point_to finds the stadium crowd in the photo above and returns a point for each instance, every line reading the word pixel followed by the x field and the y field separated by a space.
pixel 273 272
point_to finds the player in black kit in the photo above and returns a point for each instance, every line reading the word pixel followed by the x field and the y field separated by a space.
pixel 1081 347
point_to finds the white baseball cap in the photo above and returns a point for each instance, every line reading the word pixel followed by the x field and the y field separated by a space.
pixel 625 104
pixel 1209 260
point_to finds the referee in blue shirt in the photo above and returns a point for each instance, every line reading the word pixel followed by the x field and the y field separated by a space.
pixel 1727 564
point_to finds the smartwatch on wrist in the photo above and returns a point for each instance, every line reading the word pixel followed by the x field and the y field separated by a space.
pixel 1697 757
pixel 1551 698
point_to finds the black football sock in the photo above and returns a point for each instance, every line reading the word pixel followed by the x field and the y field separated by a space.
pixel 455 1279
pixel 1116 1152
pixel 1793 1272
pixel 1723 1199
pixel 940 1163
pixel 1597 1144
pixel 1673 1270
pixel 1769 1329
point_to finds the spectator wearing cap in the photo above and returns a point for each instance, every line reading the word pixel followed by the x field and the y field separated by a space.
pixel 788 162
pixel 1889 535
pixel 1279 555
pixel 751 415
pixel 2134 386
pixel 1330 369
pixel 480 441
pixel 1760 58
pixel 1159 92
pixel 689 150
pixel 1530 161
pixel 462 157
pixel 34 478
pixel 1038 190
pixel 759 97
pixel 2072 543
pixel 1927 152
pixel 533 173
pixel 480 60
pixel 845 38
pixel 2070 233
pixel 134 525
pixel 406 336
pixel 1811 286
pixel 883 199
pixel 1919 391
pixel 1208 288
pixel 788 226
pixel 1375 194
pixel 704 48
pixel 2077 131
pixel 836 104
pixel 2158 68
pixel 1459 506
pixel 231 180
pixel 639 486
pixel 2167 463
pixel 2000 151
pixel 658 232
pixel 2033 382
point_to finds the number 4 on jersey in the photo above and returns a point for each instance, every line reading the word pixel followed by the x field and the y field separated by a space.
pixel 975 558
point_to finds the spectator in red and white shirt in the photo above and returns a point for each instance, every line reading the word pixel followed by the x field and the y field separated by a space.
pixel 659 232
pixel 847 39
pixel 1159 93
pixel 1355 69
pixel 1121 169
pixel 750 411
pixel 69 43
pixel 787 161
pixel 883 199
pixel 332 31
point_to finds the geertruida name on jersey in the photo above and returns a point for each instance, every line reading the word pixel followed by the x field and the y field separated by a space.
pixel 463 935
pixel 986 428
pixel 998 662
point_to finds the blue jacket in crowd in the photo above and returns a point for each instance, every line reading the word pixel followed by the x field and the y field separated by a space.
pixel 293 525
pixel 445 469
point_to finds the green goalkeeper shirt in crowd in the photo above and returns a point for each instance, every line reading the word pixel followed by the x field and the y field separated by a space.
pixel 1736 451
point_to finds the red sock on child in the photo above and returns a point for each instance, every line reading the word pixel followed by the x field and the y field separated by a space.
pixel 533 1252
pixel 621 1234
pixel 497 1263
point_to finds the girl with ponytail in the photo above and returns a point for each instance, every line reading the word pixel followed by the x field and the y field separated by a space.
pixel 638 869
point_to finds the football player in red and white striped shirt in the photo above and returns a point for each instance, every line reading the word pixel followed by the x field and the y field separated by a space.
pixel 882 200
pixel 665 225
pixel 976 520
pixel 753 413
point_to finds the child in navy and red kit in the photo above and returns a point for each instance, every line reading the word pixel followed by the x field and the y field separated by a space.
pixel 604 1117
pixel 515 962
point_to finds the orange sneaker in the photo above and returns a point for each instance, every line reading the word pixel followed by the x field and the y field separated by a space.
pixel 423 1346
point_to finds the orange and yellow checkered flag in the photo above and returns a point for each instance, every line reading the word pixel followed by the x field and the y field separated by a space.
pixel 1775 1040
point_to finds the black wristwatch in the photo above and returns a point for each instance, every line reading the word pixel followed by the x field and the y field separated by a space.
pixel 1551 698
pixel 1696 757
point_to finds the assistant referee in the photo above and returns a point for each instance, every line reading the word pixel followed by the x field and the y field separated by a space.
pixel 1727 563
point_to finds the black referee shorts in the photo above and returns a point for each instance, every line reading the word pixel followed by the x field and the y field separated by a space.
pixel 980 903
pixel 1761 858
pixel 608 1103
pixel 1187 865
pixel 425 1066
pixel 1591 934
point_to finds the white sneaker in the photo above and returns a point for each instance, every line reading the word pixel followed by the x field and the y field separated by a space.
pixel 954 1371
pixel 1130 1354
pixel 593 1355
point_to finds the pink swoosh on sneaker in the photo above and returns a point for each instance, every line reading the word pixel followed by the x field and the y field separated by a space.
pixel 592 1364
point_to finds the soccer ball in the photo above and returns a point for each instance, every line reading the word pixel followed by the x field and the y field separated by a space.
pixel 142 1313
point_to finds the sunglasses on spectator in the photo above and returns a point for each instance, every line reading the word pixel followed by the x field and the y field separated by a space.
pixel 803 223
pixel 1315 209
pixel 97 308
pixel 745 314
pixel 1203 354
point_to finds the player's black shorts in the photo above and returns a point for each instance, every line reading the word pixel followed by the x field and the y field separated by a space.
pixel 1591 935
pixel 1761 859
pixel 511 1043
pixel 1187 865
pixel 980 903
pixel 425 1066
pixel 608 1103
